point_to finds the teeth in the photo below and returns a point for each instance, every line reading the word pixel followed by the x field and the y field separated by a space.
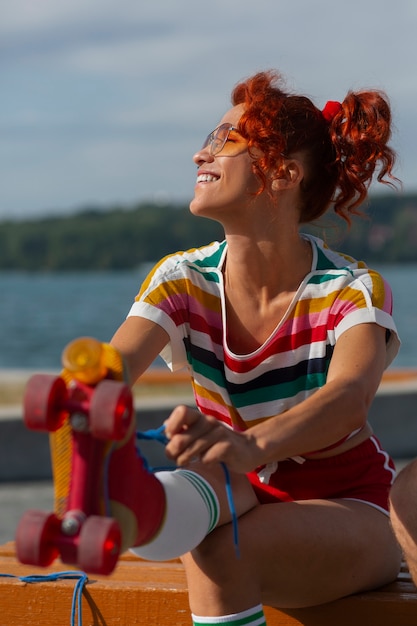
pixel 206 178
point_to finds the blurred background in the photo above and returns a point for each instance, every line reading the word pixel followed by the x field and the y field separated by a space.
pixel 106 101
pixel 103 103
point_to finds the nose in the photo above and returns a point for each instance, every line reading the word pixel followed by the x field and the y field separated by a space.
pixel 203 156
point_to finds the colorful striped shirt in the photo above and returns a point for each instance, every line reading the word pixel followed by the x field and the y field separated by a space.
pixel 184 293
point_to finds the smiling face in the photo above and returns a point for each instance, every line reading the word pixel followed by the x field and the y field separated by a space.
pixel 226 183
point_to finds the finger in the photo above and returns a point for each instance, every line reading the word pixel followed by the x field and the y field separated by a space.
pixel 181 418
pixel 235 450
pixel 192 442
pixel 211 446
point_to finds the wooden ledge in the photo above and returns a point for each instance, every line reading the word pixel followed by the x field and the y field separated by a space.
pixel 143 592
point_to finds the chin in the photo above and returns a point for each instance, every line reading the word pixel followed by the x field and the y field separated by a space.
pixel 199 208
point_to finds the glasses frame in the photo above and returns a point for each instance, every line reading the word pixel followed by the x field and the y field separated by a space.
pixel 211 138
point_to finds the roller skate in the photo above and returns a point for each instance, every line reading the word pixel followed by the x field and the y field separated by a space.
pixel 105 499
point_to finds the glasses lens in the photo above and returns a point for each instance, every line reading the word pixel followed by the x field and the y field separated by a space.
pixel 220 136
pixel 208 140
pixel 225 139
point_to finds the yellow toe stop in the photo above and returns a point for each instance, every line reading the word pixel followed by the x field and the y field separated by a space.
pixel 88 360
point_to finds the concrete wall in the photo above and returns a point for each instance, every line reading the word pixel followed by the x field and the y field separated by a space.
pixel 393 416
pixel 24 454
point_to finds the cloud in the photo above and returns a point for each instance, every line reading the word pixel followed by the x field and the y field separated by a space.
pixel 107 100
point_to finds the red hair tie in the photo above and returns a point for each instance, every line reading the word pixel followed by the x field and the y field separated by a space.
pixel 331 109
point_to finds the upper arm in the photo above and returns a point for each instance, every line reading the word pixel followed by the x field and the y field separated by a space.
pixel 139 341
pixel 359 359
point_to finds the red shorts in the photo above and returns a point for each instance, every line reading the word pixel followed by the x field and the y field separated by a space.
pixel 363 473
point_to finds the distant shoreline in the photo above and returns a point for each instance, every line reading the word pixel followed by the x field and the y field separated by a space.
pixel 160 382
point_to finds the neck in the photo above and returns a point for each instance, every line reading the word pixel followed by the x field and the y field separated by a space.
pixel 267 267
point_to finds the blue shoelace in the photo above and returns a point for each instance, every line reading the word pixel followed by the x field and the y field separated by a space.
pixel 80 577
pixel 158 434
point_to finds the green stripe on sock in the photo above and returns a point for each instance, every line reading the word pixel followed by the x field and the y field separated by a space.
pixel 206 493
pixel 256 619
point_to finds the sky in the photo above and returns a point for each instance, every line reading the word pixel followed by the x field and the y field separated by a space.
pixel 104 102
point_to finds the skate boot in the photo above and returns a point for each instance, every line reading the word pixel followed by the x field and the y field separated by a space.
pixel 105 499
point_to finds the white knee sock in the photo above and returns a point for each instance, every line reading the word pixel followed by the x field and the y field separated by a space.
pixel 252 617
pixel 192 511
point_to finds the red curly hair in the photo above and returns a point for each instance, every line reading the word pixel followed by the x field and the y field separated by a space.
pixel 341 156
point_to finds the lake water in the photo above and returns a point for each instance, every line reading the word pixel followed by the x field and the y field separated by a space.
pixel 41 313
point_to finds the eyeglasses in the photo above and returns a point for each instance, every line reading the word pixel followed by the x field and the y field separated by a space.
pixel 225 139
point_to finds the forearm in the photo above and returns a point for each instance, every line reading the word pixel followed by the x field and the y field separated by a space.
pixel 323 419
pixel 326 417
pixel 338 408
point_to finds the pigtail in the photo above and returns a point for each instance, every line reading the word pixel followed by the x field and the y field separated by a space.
pixel 360 132
pixel 344 146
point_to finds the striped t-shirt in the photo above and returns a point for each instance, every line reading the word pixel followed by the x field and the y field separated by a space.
pixel 184 293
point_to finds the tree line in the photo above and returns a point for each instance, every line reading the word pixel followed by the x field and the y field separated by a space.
pixel 124 238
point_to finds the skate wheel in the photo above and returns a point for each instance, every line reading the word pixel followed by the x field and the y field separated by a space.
pixel 44 402
pixel 111 410
pixel 36 534
pixel 99 545
pixel 84 359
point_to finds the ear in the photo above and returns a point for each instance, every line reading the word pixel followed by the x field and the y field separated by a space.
pixel 289 174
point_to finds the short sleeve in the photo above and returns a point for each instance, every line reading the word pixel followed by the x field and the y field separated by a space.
pixel 173 353
pixel 367 299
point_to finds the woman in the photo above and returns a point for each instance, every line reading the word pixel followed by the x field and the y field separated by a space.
pixel 286 342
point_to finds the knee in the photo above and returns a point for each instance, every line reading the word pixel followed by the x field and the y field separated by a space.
pixel 218 546
pixel 403 495
pixel 216 576
pixel 215 555
pixel 403 500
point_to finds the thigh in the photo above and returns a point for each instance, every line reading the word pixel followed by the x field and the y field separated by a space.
pixel 310 552
pixel 300 553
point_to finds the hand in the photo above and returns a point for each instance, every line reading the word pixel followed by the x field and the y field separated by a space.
pixel 195 436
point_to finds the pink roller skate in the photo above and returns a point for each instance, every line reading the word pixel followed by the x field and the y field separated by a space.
pixel 105 499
